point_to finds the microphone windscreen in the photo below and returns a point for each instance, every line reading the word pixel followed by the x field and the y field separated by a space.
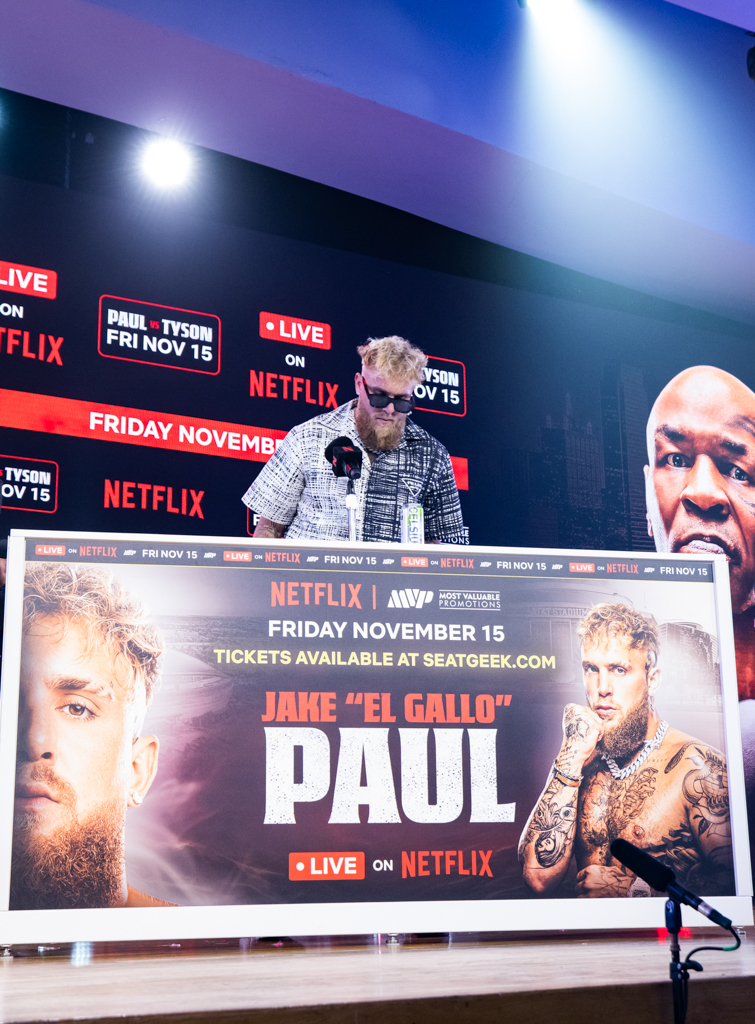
pixel 650 870
pixel 339 442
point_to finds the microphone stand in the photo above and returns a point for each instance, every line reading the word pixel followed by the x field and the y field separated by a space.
pixel 351 508
pixel 678 969
pixel 661 878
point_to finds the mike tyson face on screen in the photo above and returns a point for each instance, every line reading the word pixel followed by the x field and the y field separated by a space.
pixel 700 481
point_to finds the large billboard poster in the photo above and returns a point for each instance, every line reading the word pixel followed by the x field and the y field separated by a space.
pixel 256 737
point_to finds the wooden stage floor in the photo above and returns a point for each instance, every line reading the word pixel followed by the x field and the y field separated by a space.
pixel 545 980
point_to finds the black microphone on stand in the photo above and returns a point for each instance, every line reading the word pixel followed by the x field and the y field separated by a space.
pixel 662 879
pixel 345 458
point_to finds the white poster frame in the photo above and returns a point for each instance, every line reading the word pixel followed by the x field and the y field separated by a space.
pixel 140 923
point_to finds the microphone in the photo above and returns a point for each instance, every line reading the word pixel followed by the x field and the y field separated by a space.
pixel 345 458
pixel 662 878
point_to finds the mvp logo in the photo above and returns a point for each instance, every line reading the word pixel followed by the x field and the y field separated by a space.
pixel 290 329
pixel 477 600
pixel 14 277
pixel 409 598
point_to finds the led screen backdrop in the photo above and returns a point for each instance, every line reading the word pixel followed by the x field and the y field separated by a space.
pixel 353 741
pixel 155 346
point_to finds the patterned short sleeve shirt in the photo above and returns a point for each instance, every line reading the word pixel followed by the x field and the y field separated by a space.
pixel 298 487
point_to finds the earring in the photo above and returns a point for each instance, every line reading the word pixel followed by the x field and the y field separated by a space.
pixel 136 797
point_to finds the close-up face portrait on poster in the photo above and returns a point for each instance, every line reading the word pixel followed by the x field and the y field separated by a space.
pixel 258 726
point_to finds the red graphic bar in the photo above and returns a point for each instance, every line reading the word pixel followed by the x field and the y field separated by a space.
pixel 15 277
pixel 47 414
pixel 294 331
pixel 347 866
pixel 461 472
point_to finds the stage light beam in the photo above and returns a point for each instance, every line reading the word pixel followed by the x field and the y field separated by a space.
pixel 166 163
pixel 550 7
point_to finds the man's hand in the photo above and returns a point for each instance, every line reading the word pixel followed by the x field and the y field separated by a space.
pixel 598 880
pixel 3 563
pixel 582 731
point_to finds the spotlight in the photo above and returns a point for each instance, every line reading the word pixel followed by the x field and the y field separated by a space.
pixel 166 163
pixel 751 63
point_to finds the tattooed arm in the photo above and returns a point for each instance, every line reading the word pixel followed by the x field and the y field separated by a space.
pixel 545 848
pixel 267 528
pixel 706 794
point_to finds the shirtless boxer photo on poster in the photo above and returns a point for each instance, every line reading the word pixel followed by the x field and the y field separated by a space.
pixel 623 772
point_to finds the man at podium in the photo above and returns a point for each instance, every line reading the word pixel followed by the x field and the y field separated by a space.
pixel 297 495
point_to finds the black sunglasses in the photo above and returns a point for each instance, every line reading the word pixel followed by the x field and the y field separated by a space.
pixel 379 400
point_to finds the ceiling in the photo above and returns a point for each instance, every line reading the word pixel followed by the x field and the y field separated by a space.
pixel 735 12
pixel 619 141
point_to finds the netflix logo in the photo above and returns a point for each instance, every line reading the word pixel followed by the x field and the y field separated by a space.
pixel 296 389
pixel 44 349
pixel 155 497
pixel 290 329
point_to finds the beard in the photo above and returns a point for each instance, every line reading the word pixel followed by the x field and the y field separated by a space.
pixel 630 734
pixel 379 437
pixel 80 864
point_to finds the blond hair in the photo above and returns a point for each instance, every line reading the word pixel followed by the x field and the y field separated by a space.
pixel 606 622
pixel 393 358
pixel 95 600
